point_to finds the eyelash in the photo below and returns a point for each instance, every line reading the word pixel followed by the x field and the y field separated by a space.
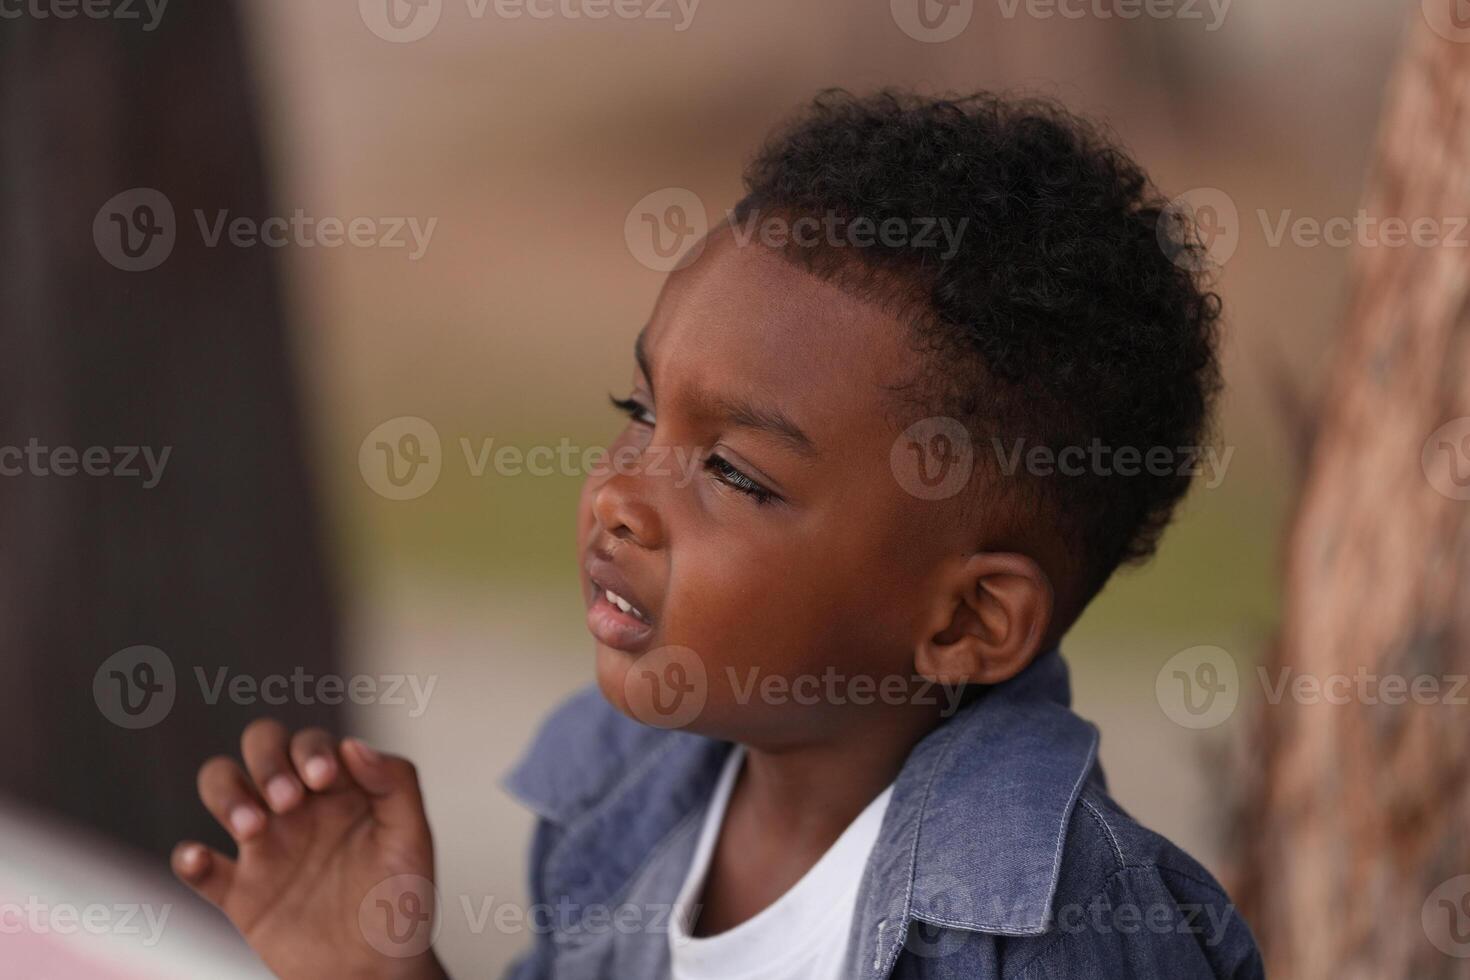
pixel 632 408
pixel 721 467
pixel 738 481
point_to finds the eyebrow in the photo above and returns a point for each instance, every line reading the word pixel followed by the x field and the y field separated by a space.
pixel 738 412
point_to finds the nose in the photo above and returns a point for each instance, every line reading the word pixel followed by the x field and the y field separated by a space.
pixel 623 509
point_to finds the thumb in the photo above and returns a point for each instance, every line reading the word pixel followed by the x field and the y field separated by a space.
pixel 205 870
pixel 391 783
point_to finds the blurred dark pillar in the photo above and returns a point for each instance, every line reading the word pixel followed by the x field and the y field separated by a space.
pixel 220 565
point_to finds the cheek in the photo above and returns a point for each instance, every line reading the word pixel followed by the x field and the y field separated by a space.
pixel 753 604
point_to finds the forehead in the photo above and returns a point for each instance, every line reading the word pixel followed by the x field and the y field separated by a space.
pixel 742 318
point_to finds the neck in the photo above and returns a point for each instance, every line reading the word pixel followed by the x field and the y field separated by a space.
pixel 813 791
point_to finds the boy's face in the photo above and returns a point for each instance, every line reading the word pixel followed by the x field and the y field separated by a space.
pixel 773 559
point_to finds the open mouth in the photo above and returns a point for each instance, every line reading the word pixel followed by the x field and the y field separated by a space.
pixel 614 615
pixel 623 604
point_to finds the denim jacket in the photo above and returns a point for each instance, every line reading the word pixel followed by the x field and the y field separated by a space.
pixel 1000 855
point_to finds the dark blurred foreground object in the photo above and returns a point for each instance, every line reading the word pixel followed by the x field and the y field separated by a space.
pixel 114 344
pixel 1358 828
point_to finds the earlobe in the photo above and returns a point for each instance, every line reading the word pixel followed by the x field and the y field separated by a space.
pixel 990 619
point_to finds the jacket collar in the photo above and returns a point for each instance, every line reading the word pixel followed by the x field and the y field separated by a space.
pixel 972 838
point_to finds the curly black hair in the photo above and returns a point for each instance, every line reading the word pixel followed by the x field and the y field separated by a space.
pixel 1071 311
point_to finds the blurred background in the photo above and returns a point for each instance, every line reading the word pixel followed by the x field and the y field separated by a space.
pixel 520 146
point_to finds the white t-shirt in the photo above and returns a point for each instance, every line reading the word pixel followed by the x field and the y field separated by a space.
pixel 800 936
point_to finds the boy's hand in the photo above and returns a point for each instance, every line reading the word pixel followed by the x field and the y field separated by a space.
pixel 335 865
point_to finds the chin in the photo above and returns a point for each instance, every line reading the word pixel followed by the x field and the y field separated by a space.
pixel 666 687
pixel 612 674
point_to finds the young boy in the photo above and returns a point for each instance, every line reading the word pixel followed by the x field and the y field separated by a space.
pixel 827 583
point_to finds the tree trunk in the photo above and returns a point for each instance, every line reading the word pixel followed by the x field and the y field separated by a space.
pixel 218 565
pixel 1358 822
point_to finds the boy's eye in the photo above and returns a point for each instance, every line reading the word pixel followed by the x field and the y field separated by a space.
pixel 633 408
pixel 722 469
pixel 726 473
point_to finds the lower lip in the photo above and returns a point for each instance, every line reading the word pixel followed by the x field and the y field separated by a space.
pixel 612 627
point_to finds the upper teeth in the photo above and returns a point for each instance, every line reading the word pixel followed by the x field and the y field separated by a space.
pixel 622 603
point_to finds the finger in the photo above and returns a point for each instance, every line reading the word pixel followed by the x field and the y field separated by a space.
pixel 228 795
pixel 314 754
pixel 203 869
pixel 263 745
pixel 392 785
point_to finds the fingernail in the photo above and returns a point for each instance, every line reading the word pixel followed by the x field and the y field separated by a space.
pixel 318 771
pixel 193 858
pixel 369 754
pixel 245 820
pixel 281 791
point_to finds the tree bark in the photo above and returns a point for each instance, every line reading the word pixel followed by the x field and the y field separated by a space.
pixel 219 565
pixel 1359 811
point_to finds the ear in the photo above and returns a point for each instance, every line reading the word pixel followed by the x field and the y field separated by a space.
pixel 988 620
